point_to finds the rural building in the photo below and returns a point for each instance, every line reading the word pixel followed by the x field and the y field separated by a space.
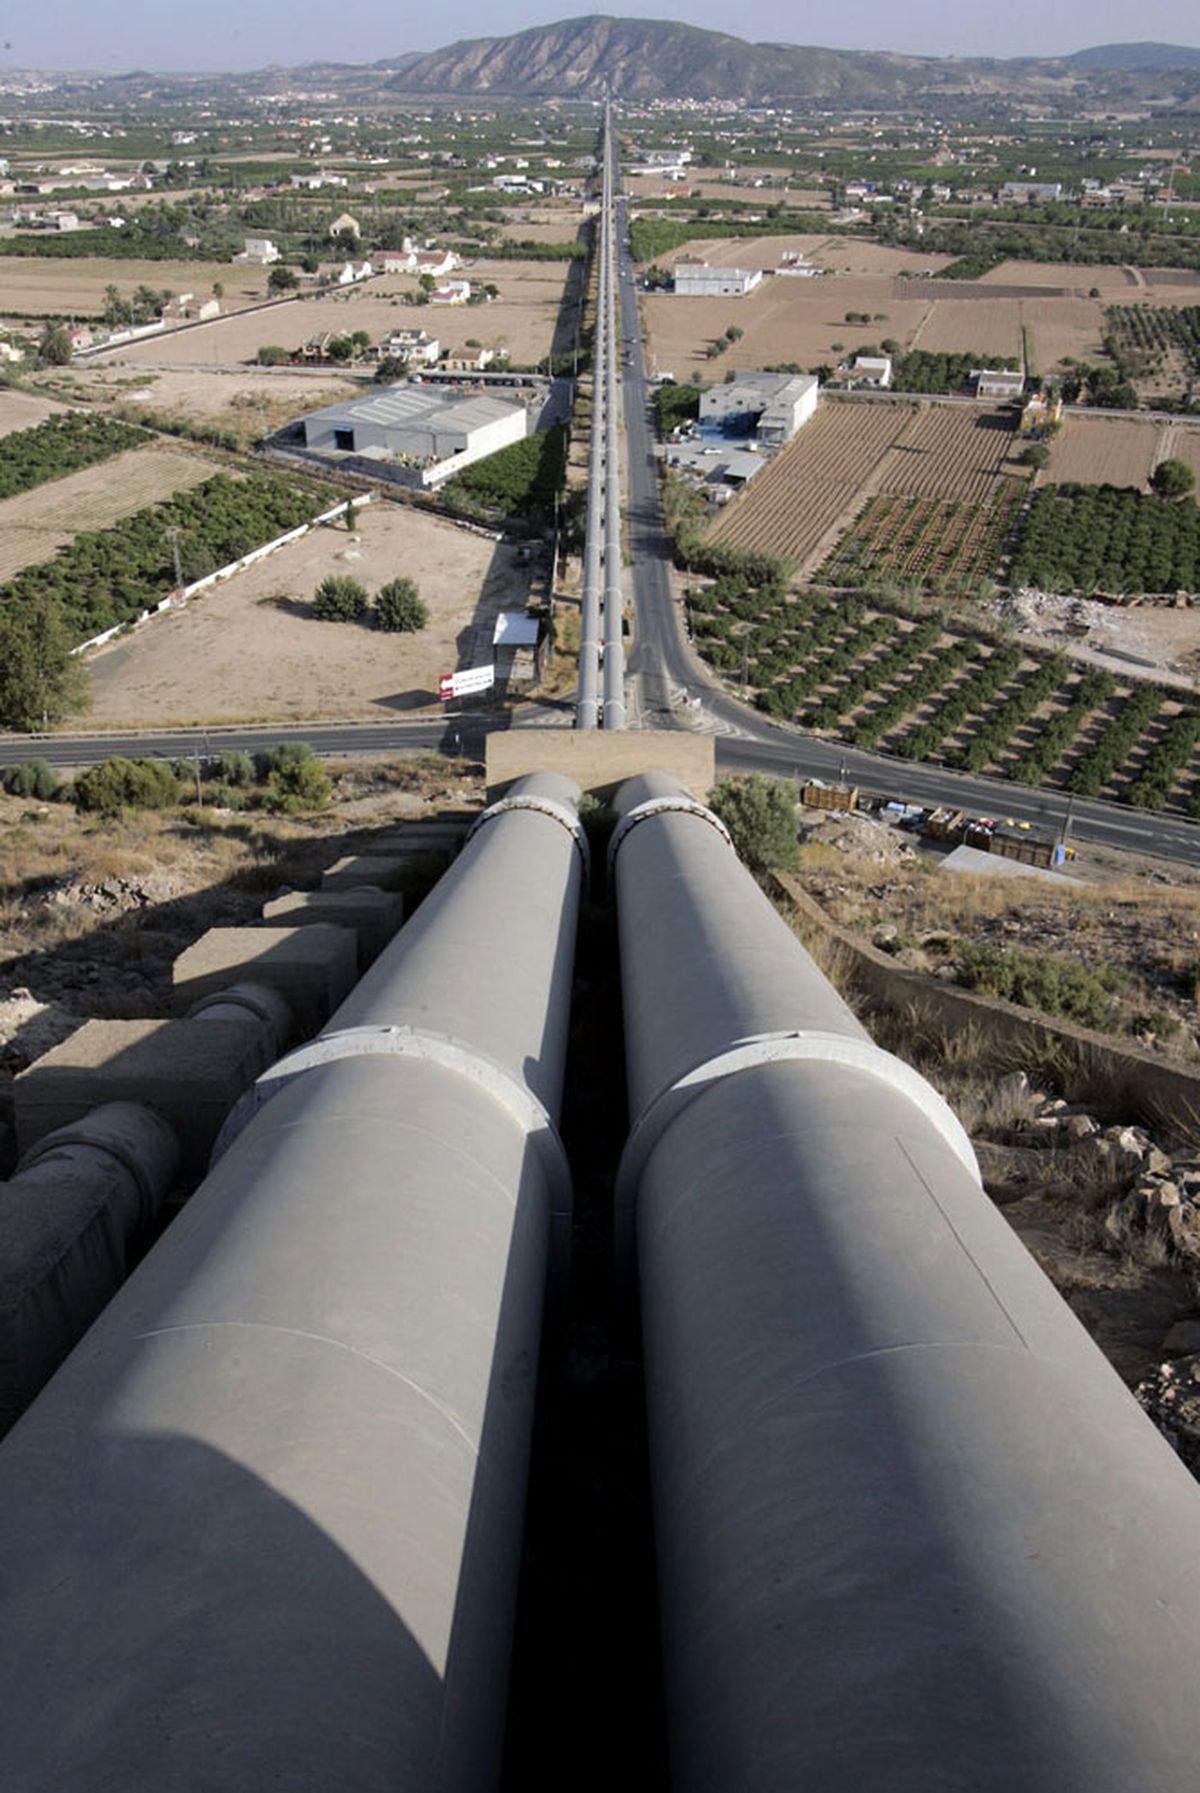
pixel 998 383
pixel 696 280
pixel 1031 192
pixel 354 271
pixel 345 226
pixel 469 361
pixel 414 346
pixel 451 292
pixel 770 406
pixel 1042 412
pixel 259 249
pixel 187 308
pixel 417 426
pixel 873 370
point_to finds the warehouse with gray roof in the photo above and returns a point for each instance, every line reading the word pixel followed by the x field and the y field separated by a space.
pixel 423 428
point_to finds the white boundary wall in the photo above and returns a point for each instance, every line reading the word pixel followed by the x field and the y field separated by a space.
pixel 178 599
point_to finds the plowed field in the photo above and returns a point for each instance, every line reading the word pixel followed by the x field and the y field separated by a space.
pixel 852 449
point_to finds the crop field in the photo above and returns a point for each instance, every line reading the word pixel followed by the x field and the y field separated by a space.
pixel 925 539
pixel 1103 451
pixel 926 693
pixel 792 505
pixel 990 326
pixel 522 320
pixel 24 410
pixel 783 320
pixel 944 452
pixel 34 525
pixel 1062 328
pixel 1107 539
pixel 74 286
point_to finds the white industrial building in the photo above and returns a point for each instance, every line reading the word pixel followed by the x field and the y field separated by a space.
pixel 417 427
pixel 769 407
pixel 696 280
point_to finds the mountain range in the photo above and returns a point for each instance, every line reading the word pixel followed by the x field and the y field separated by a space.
pixel 641 60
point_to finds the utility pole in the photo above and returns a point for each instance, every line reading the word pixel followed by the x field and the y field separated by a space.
pixel 172 535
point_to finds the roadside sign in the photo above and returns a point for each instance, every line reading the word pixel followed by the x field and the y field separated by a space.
pixel 466 683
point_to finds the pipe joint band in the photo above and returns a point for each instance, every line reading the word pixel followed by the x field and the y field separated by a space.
pixel 546 806
pixel 431 1048
pixel 778 1048
pixel 657 806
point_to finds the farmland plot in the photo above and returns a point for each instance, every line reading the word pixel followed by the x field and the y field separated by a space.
pixel 35 524
pixel 925 539
pixel 928 693
pixel 945 452
pixel 990 326
pixel 1103 451
pixel 24 410
pixel 791 506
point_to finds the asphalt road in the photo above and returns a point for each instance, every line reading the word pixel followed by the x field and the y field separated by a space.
pixel 668 688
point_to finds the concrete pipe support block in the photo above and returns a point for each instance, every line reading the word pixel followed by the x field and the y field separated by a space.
pixel 314 967
pixel 190 1072
pixel 374 915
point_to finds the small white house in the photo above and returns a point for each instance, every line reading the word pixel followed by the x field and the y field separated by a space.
pixel 451 292
pixel 873 370
pixel 999 383
pixel 260 250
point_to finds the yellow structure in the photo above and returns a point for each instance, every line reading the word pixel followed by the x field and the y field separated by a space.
pixel 1041 412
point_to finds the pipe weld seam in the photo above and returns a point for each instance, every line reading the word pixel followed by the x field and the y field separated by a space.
pixel 546 806
pixel 658 806
pixel 781 1048
pixel 465 1060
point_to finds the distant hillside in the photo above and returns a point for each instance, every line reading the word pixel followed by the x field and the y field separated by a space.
pixel 1136 58
pixel 660 59
pixel 644 59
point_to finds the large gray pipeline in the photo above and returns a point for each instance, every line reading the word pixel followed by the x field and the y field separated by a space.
pixel 263 1528
pixel 614 646
pixel 912 1531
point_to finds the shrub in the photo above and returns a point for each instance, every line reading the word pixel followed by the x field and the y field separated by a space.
pixel 298 785
pixel 760 814
pixel 399 607
pixel 118 784
pixel 236 769
pixel 31 778
pixel 339 599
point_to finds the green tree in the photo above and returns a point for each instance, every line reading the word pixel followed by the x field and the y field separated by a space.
pixel 1173 479
pixel 340 348
pixel 399 607
pixel 39 679
pixel 339 599
pixel 282 280
pixel 272 355
pixel 1036 455
pixel 54 346
pixel 760 814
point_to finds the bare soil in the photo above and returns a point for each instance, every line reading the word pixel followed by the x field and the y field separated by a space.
pixel 251 648
pixel 522 319
pixel 24 410
pixel 75 286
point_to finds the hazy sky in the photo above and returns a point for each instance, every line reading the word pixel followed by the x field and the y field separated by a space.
pixel 234 34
